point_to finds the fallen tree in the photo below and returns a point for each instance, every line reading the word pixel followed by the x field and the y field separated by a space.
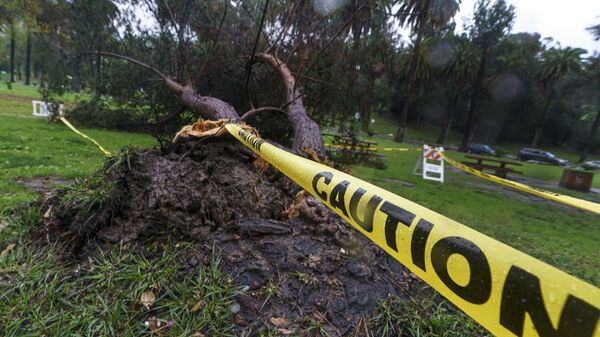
pixel 306 133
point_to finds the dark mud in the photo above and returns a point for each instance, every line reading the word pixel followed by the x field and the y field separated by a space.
pixel 299 267
pixel 44 184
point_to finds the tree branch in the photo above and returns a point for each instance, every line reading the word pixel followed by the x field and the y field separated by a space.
pixel 206 107
pixel 128 59
pixel 252 112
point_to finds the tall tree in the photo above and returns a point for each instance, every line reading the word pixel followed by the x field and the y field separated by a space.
pixel 13 34
pixel 556 62
pixel 458 75
pixel 593 71
pixel 490 23
pixel 418 15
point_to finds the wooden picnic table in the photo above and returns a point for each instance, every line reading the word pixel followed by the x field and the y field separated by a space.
pixel 351 143
pixel 500 170
pixel 352 146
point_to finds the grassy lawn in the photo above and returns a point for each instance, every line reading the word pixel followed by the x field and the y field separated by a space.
pixel 32 92
pixel 428 134
pixel 559 235
pixel 33 147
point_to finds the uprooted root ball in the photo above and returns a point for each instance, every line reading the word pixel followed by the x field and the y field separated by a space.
pixel 299 262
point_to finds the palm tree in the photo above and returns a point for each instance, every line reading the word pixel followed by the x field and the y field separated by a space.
pixel 556 62
pixel 593 70
pixel 459 74
pixel 490 23
pixel 417 14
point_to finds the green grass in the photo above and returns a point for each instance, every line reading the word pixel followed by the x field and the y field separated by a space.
pixel 423 316
pixel 559 235
pixel 32 92
pixel 427 133
pixel 32 147
pixel 101 296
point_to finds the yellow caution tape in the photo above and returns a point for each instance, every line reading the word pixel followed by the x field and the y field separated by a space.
pixel 371 148
pixel 70 126
pixel 508 292
pixel 564 199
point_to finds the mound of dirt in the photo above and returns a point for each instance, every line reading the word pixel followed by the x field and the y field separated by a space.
pixel 215 192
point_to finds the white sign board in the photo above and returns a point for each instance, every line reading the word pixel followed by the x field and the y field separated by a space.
pixel 433 163
pixel 44 109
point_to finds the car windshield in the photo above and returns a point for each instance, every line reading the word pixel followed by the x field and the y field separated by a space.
pixel 551 155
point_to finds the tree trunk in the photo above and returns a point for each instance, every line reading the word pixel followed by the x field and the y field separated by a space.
pixel 588 146
pixel 98 73
pixel 352 74
pixel 12 52
pixel 76 81
pixel 366 100
pixel 28 59
pixel 402 123
pixel 539 128
pixel 473 117
pixel 307 133
pixel 411 79
pixel 447 124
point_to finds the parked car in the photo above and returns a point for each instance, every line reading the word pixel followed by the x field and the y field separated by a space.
pixel 481 149
pixel 540 155
pixel 591 165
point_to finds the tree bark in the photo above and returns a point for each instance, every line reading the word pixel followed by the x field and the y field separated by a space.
pixel 350 101
pixel 28 59
pixel 588 146
pixel 447 124
pixel 12 52
pixel 411 80
pixel 307 133
pixel 366 100
pixel 98 73
pixel 400 133
pixel 539 128
pixel 473 117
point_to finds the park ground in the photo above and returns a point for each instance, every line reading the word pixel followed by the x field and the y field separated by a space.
pixel 100 296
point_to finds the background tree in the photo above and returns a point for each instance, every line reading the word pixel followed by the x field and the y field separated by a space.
pixel 459 75
pixel 555 64
pixel 593 72
pixel 418 15
pixel 490 23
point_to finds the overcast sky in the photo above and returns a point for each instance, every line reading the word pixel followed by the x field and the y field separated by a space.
pixel 565 21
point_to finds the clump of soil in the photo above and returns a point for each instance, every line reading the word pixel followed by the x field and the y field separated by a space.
pixel 214 191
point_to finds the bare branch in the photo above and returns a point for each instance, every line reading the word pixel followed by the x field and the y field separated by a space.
pixel 252 112
pixel 128 59
pixel 212 46
pixel 314 60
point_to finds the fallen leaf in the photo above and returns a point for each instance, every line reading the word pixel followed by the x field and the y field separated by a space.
pixel 154 327
pixel 261 165
pixel 3 224
pixel 285 331
pixel 279 321
pixel 197 306
pixel 148 298
pixel 48 213
pixel 7 249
